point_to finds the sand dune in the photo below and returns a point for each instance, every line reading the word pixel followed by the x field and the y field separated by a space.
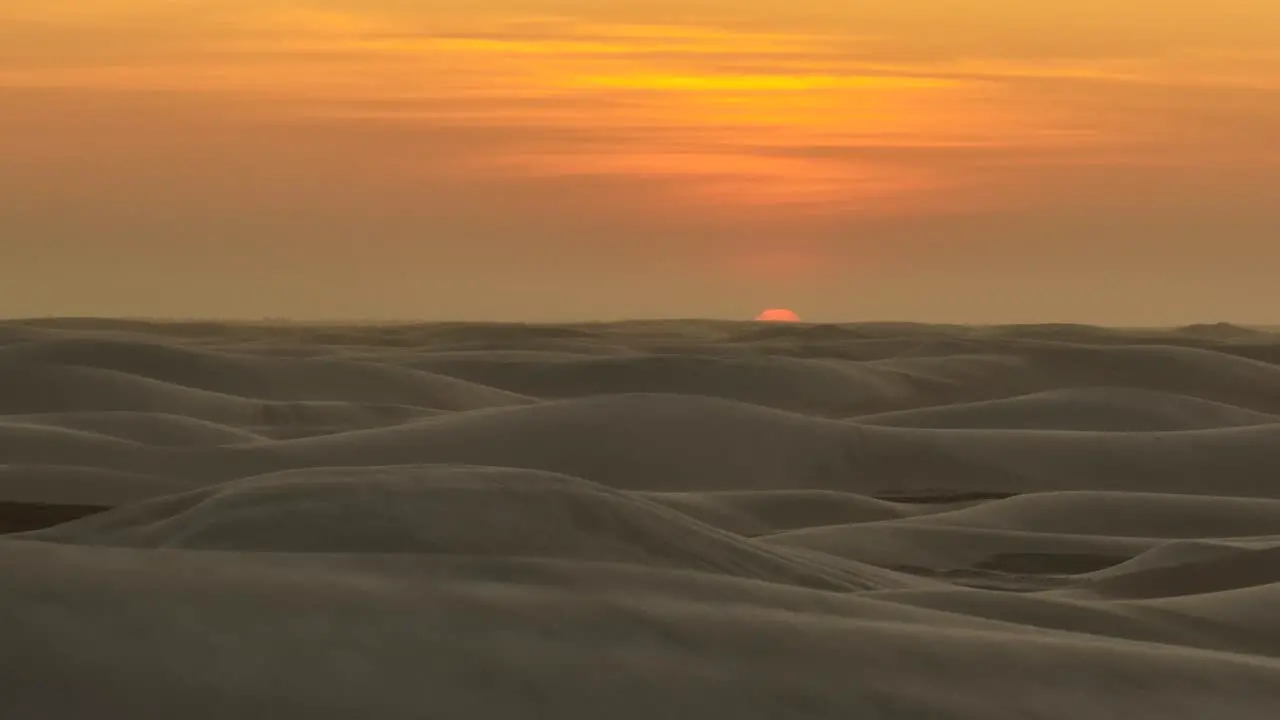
pixel 42 444
pixel 986 553
pixel 80 485
pixel 637 520
pixel 1129 621
pixel 1246 614
pixel 442 509
pixel 146 428
pixel 766 512
pixel 911 461
pixel 1092 408
pixel 810 386
pixel 267 378
pixel 1120 515
pixel 1180 552
pixel 646 442
pixel 337 642
pixel 638 442
pixel 1241 569
pixel 1198 372
pixel 43 390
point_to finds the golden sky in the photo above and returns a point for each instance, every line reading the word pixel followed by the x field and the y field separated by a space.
pixel 959 160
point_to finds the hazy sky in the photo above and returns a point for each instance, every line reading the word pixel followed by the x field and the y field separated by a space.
pixel 1111 161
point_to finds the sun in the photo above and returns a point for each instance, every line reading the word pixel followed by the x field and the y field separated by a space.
pixel 778 315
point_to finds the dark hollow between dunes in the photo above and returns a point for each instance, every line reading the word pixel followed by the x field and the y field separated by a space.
pixel 16 517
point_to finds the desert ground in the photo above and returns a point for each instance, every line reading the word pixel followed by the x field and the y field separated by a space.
pixel 650 520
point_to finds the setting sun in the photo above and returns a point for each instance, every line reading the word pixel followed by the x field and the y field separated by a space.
pixel 778 315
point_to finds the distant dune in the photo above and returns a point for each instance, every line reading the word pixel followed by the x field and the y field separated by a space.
pixel 648 519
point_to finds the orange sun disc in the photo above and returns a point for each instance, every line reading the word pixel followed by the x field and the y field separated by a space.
pixel 778 315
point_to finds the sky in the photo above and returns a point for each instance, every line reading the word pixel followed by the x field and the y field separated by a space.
pixel 980 161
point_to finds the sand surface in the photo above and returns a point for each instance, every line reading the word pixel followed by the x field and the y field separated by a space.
pixel 638 520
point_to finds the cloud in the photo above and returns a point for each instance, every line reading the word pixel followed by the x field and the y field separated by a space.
pixel 866 107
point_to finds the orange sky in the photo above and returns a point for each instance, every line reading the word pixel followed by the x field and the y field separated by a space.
pixel 957 160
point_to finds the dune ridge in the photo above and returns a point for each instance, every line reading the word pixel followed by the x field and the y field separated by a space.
pixel 638 519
